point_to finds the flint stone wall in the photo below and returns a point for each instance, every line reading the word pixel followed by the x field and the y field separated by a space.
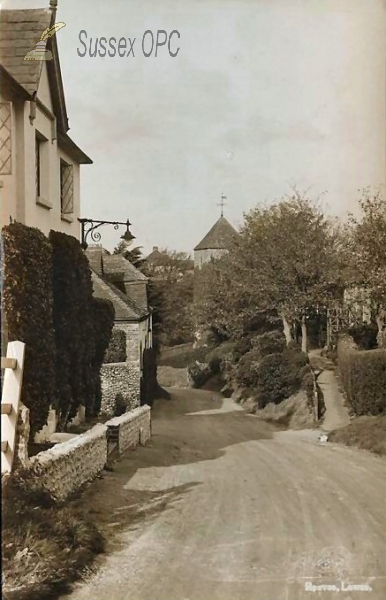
pixel 120 378
pixel 67 466
pixel 132 428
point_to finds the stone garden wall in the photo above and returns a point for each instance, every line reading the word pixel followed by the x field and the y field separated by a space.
pixel 67 466
pixel 132 428
pixel 123 379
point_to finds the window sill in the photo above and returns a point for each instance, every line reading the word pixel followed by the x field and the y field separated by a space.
pixel 44 203
pixel 67 218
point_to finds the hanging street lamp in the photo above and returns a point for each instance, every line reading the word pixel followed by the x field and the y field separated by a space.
pixel 89 228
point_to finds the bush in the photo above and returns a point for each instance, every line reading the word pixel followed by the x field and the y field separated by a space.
pixel 246 373
pixel 216 358
pixel 27 306
pixel 116 351
pixel 242 346
pixel 278 377
pixel 271 342
pixel 364 335
pixel 363 375
pixel 199 374
pixel 120 405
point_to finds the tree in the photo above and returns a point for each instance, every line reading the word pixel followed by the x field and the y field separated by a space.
pixel 367 256
pixel 286 260
pixel 171 296
pixel 134 255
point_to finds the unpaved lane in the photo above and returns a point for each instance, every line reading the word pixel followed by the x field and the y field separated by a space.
pixel 220 507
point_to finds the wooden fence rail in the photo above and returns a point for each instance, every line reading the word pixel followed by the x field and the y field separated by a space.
pixel 13 365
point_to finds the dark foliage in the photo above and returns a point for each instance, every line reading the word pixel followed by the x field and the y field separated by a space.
pixel 364 335
pixel 83 327
pixel 102 320
pixel 363 375
pixel 27 304
pixel 279 376
pixel 120 405
pixel 116 352
pixel 150 388
pixel 269 343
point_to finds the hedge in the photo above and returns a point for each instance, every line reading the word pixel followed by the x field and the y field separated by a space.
pixel 83 327
pixel 363 376
pixel 28 307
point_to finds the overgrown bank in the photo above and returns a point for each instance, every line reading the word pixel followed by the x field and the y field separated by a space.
pixel 45 545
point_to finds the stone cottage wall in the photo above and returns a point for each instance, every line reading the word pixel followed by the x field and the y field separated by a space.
pixel 120 378
pixel 67 466
pixel 132 340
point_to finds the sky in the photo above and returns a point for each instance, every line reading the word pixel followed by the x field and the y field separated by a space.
pixel 263 95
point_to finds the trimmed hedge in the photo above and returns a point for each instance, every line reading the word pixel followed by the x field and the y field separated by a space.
pixel 83 326
pixel 363 375
pixel 116 351
pixel 28 307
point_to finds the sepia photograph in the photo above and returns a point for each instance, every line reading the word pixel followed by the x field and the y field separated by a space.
pixel 193 299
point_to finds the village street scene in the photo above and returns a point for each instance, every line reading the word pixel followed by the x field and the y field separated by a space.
pixel 193 299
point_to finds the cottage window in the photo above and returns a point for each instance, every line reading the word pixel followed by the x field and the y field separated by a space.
pixel 66 188
pixel 41 170
pixel 5 138
pixel 38 172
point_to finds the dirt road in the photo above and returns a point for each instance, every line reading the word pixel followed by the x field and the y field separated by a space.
pixel 220 506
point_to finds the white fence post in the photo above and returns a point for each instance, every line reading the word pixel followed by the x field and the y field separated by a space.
pixel 13 366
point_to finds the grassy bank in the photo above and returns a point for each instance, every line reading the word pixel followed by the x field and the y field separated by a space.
pixel 45 545
pixel 367 433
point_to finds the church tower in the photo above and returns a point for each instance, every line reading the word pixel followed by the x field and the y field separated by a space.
pixel 215 243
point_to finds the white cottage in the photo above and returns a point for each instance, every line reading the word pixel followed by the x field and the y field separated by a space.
pixel 39 162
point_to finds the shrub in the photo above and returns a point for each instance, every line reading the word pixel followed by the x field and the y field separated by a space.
pixel 363 375
pixel 199 374
pixel 242 346
pixel 27 305
pixel 364 335
pixel 120 405
pixel 277 379
pixel 271 342
pixel 246 375
pixel 217 357
pixel 116 351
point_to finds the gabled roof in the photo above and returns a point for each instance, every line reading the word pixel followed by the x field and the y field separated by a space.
pixel 116 267
pixel 20 31
pixel 125 308
pixel 220 237
pixel 155 256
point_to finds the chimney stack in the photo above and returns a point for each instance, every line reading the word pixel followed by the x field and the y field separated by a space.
pixel 155 248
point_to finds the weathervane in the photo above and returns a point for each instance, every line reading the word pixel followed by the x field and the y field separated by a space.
pixel 222 204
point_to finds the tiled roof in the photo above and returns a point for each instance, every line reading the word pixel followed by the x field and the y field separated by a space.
pixel 20 31
pixel 125 308
pixel 155 256
pixel 220 237
pixel 116 267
